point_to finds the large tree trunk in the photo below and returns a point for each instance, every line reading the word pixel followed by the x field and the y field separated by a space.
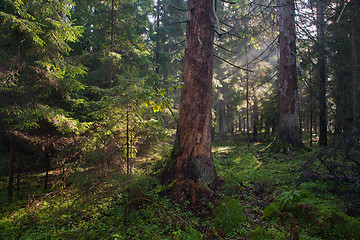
pixel 289 131
pixel 321 72
pixel 194 160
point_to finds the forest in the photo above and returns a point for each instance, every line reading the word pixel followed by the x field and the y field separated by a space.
pixel 179 119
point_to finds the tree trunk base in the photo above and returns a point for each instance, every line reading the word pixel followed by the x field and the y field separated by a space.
pixel 185 186
pixel 192 195
pixel 280 146
pixel 188 190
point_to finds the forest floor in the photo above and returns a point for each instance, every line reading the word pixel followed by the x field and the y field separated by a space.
pixel 265 196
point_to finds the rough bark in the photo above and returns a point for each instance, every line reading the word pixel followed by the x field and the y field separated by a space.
pixel 289 131
pixel 321 72
pixel 194 160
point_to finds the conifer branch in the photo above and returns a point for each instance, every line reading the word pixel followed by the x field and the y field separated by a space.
pixel 216 31
pixel 226 24
pixel 166 103
pixel 342 10
pixel 178 22
pixel 266 6
pixel 265 81
pixel 224 48
pixel 225 32
pixel 228 2
pixel 248 70
pixel 179 9
pixel 176 43
pixel 271 44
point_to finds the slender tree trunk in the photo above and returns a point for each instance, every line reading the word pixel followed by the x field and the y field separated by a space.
pixel 47 166
pixel 247 97
pixel 111 82
pixel 227 118
pixel 230 119
pixel 245 122
pixel 289 130
pixel 239 119
pixel 127 141
pixel 355 60
pixel 18 177
pixel 221 114
pixel 255 119
pixel 321 72
pixel 273 127
pixel 194 160
pixel 131 149
pixel 311 108
pixel 261 125
pixel 112 27
pixel 157 36
pixel 11 166
pixel 267 129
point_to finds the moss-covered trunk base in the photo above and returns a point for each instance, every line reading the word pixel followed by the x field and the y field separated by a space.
pixel 281 146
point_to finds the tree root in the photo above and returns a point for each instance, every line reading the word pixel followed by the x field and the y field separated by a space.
pixel 188 190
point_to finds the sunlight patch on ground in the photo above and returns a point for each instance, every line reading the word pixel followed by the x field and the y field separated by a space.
pixel 223 149
pixel 248 161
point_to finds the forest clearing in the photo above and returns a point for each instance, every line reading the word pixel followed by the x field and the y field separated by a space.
pixel 179 119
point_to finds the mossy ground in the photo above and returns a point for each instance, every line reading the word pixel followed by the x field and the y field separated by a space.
pixel 103 203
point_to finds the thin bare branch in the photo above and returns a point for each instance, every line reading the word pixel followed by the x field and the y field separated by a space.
pixel 248 70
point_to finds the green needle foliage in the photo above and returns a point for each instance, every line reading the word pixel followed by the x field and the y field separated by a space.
pixel 37 78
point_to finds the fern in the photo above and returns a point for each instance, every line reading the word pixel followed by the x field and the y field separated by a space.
pixel 228 214
pixel 303 204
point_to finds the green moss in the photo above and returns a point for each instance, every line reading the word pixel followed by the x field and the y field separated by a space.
pixel 280 146
pixel 169 163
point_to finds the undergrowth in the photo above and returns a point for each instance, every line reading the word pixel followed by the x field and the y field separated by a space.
pixel 262 198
